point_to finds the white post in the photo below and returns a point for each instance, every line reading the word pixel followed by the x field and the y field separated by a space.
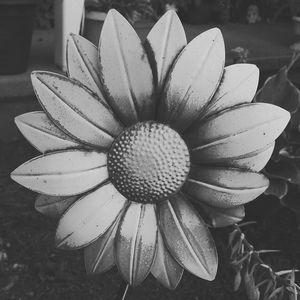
pixel 68 17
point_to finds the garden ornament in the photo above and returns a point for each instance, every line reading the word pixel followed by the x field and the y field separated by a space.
pixel 136 137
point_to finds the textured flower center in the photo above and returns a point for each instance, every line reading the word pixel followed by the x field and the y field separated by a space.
pixel 148 162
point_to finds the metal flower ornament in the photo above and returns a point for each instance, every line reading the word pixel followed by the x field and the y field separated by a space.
pixel 136 137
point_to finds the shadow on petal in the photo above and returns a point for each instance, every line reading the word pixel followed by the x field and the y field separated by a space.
pixel 224 187
pixel 165 268
pixel 193 80
pixel 187 237
pixel 99 256
pixel 89 217
pixel 53 206
pixel 136 242
pixel 42 134
pixel 125 71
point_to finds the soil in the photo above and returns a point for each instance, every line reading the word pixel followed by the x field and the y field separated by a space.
pixel 31 268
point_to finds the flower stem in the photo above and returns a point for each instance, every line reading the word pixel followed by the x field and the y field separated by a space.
pixel 122 291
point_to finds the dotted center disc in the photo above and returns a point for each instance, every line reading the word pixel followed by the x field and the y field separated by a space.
pixel 148 162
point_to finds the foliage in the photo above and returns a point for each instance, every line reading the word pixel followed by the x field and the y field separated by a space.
pixel 284 167
pixel 257 278
pixel 133 10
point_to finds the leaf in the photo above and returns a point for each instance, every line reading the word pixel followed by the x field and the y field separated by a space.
pixel 285 170
pixel 125 71
pixel 279 90
pixel 53 206
pixel 82 63
pixel 187 237
pixel 224 187
pixel 166 39
pixel 291 201
pixel 89 217
pixel 238 86
pixel 165 268
pixel 63 173
pixel 193 80
pixel 38 129
pixel 277 188
pixel 136 242
pixel 236 132
pixel 75 110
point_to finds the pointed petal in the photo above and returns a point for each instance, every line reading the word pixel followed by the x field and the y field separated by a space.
pixel 75 110
pixel 125 70
pixel 220 217
pixel 165 268
pixel 89 217
pixel 188 238
pixel 235 132
pixel 99 256
pixel 238 85
pixel 63 173
pixel 193 79
pixel 82 60
pixel 42 133
pixel 254 161
pixel 166 39
pixel 136 242
pixel 53 206
pixel 224 187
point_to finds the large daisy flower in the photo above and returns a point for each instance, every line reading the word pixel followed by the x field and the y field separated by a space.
pixel 138 135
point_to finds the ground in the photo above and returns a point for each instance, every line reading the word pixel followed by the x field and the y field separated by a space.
pixel 31 268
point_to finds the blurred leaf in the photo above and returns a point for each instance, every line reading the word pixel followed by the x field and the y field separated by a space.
pixel 277 188
pixel 292 202
pixel 284 272
pixel 276 292
pixel 290 153
pixel 279 90
pixel 237 281
pixel 285 170
pixel 251 290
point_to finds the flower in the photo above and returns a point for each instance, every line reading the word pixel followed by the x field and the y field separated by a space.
pixel 136 136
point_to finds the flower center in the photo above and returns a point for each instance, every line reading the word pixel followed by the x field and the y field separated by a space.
pixel 148 162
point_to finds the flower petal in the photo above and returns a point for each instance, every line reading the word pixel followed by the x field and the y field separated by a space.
pixel 253 161
pixel 42 133
pixel 238 85
pixel 220 217
pixel 53 206
pixel 235 132
pixel 75 110
pixel 125 70
pixel 82 60
pixel 224 187
pixel 165 268
pixel 136 242
pixel 99 256
pixel 63 173
pixel 193 79
pixel 188 238
pixel 166 39
pixel 89 217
